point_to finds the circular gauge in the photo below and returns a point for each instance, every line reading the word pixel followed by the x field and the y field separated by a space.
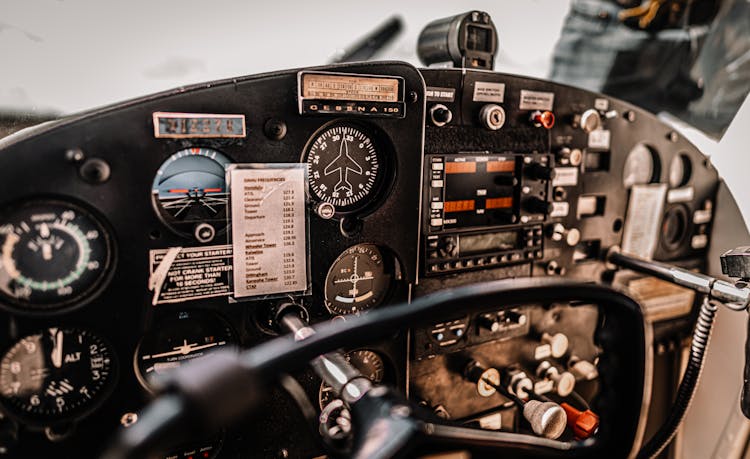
pixel 179 338
pixel 52 254
pixel 190 191
pixel 641 166
pixel 56 375
pixel 680 170
pixel 368 362
pixel 358 280
pixel 345 167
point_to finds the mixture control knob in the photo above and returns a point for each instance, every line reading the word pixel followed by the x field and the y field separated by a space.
pixel 538 171
pixel 537 206
pixel 558 343
pixel 583 423
pixel 440 115
pixel 590 120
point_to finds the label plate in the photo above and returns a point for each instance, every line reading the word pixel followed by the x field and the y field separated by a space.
pixel 269 228
pixel 191 273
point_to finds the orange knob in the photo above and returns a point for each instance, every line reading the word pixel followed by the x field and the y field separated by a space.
pixel 545 119
pixel 583 423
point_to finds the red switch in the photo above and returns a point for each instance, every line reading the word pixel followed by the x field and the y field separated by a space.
pixel 583 423
pixel 545 119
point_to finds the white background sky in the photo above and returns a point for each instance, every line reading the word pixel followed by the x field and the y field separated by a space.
pixel 70 55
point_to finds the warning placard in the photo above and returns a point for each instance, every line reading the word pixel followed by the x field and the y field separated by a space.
pixel 181 274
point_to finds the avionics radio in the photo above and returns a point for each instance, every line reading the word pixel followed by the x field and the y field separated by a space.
pixel 484 209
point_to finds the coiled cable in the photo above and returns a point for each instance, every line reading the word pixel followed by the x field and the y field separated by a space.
pixel 688 385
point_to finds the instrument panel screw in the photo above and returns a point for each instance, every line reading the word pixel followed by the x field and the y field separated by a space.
pixel 95 171
pixel 413 96
pixel 275 129
pixel 74 155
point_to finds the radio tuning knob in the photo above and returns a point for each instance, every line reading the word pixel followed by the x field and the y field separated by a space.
pixel 537 206
pixel 538 171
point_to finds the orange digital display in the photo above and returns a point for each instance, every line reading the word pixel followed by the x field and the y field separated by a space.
pixel 461 168
pixel 498 203
pixel 501 166
pixel 459 206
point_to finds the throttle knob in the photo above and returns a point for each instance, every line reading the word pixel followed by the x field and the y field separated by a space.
pixel 547 419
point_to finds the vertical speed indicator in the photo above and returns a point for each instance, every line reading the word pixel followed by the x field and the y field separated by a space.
pixel 345 167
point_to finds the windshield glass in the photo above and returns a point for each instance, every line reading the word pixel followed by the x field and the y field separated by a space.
pixel 61 57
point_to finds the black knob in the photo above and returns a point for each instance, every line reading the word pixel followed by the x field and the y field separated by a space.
pixel 440 115
pixel 489 322
pixel 537 206
pixel 538 171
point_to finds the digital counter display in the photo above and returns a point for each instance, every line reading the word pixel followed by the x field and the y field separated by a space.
pixel 487 243
pixel 478 191
pixel 198 125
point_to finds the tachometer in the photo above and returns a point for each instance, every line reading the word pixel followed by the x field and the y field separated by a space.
pixel 359 279
pixel 345 167
pixel 184 336
pixel 56 375
pixel 52 254
pixel 190 192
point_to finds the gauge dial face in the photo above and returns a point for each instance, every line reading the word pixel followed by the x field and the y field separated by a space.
pixel 344 167
pixel 641 166
pixel 358 280
pixel 190 189
pixel 184 336
pixel 56 375
pixel 368 362
pixel 52 254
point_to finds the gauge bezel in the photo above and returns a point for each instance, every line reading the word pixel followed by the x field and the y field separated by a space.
pixel 168 316
pixel 386 176
pixel 389 375
pixel 391 266
pixel 163 215
pixel 76 414
pixel 100 284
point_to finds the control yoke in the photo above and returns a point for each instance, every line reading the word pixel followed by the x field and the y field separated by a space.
pixel 735 296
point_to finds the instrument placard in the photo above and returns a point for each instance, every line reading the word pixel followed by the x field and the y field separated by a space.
pixel 351 94
pixel 269 228
pixel 326 86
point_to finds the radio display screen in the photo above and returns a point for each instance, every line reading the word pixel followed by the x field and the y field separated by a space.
pixel 479 191
pixel 486 243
